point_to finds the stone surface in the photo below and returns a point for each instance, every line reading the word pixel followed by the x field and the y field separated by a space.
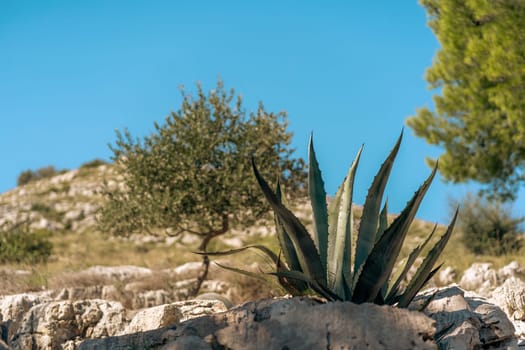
pixel 297 323
pixel 466 320
pixel 480 277
pixel 153 318
pixel 483 278
pixel 49 325
pixel 510 297
pixel 13 308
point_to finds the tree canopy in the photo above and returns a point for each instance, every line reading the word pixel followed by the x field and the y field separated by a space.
pixel 479 116
pixel 193 173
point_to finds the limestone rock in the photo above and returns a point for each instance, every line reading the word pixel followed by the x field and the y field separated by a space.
pixel 446 276
pixel 480 277
pixel 153 318
pixel 118 272
pixel 466 320
pixel 13 309
pixel 510 297
pixel 297 323
pixel 483 278
pixel 49 325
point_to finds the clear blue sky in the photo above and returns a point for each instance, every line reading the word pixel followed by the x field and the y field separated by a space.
pixel 71 72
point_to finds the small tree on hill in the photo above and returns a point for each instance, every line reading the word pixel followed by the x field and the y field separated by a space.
pixel 193 174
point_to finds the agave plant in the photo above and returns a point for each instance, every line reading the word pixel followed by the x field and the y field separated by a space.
pixel 330 261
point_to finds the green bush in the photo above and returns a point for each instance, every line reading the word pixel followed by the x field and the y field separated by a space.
pixel 488 226
pixel 20 245
pixel 95 163
pixel 29 175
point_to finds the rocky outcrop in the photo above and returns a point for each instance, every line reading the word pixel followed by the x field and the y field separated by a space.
pixel 483 278
pixel 170 314
pixel 297 323
pixel 510 297
pixel 454 318
pixel 465 320
pixel 64 324
pixel 66 201
pixel 50 325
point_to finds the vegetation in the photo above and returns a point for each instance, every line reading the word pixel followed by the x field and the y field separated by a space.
pixel 479 117
pixel 192 174
pixel 28 176
pixel 322 261
pixel 93 163
pixel 488 226
pixel 20 245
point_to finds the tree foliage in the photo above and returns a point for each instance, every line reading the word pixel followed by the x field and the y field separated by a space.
pixel 479 117
pixel 192 174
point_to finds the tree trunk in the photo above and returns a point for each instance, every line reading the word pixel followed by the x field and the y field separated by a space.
pixel 205 260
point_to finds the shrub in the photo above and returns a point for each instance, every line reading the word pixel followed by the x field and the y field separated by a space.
pixel 20 245
pixel 95 163
pixel 322 262
pixel 488 226
pixel 28 176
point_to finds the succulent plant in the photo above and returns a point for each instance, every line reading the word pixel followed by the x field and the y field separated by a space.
pixel 333 263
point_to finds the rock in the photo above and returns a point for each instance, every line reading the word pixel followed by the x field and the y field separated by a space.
pixel 118 272
pixel 49 325
pixel 513 269
pixel 153 318
pixel 297 323
pixel 197 308
pixel 466 320
pixel 483 279
pixel 510 297
pixel 13 309
pixel 446 276
pixel 480 277
pixel 189 269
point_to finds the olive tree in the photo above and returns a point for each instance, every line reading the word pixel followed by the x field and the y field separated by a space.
pixel 193 173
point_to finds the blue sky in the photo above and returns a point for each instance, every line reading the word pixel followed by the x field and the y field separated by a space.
pixel 71 72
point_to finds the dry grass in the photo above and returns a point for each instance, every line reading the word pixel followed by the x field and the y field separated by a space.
pixel 75 252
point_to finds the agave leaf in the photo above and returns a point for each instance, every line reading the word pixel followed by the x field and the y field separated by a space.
pixel 380 262
pixel 383 225
pixel 422 274
pixel 260 247
pixel 317 196
pixel 339 262
pixel 333 216
pixel 285 242
pixel 410 261
pixel 304 245
pixel 317 287
pixel 383 221
pixel 369 219
pixel 243 272
pixel 292 286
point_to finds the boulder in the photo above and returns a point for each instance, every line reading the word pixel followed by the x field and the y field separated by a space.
pixel 296 323
pixel 510 297
pixel 169 314
pixel 465 320
pixel 50 325
pixel 482 278
pixel 13 309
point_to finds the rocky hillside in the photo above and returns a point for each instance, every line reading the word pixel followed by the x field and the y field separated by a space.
pixel 67 201
pixel 104 292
